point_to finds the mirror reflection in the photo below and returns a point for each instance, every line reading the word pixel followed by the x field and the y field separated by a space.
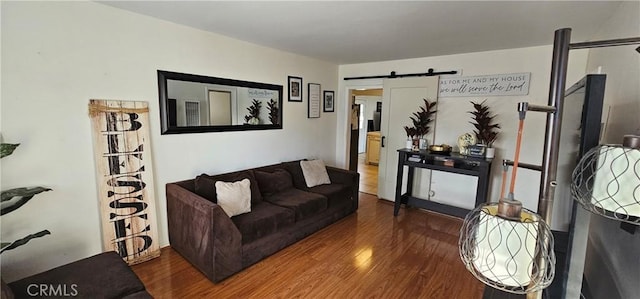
pixel 193 103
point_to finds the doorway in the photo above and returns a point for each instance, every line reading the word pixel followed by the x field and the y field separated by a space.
pixel 405 93
pixel 219 107
pixel 368 102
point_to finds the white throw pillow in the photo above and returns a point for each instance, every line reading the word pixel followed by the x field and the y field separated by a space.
pixel 235 197
pixel 315 173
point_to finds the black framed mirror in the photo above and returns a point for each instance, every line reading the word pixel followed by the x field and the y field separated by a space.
pixel 197 104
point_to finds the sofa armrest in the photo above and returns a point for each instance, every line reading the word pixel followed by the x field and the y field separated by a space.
pixel 203 233
pixel 343 176
pixel 347 177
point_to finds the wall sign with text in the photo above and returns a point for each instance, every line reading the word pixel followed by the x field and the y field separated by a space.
pixel 122 151
pixel 488 85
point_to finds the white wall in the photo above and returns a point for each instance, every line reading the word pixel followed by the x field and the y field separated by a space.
pixel 58 55
pixel 452 118
pixel 622 67
pixel 612 267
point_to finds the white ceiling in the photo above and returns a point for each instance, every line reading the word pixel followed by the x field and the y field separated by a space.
pixel 347 32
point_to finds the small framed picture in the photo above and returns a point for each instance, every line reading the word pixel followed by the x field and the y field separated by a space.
pixel 329 101
pixel 313 108
pixel 295 89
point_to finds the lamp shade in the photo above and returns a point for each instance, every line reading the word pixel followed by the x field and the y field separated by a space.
pixel 606 181
pixel 512 255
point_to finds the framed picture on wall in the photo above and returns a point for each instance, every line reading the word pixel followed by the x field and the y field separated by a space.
pixel 313 109
pixel 295 89
pixel 329 101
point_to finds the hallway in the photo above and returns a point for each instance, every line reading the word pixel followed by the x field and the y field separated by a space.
pixel 368 176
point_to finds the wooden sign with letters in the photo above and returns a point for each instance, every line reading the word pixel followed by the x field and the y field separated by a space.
pixel 125 179
pixel 486 85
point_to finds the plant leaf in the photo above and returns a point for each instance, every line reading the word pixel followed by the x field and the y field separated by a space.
pixel 7 149
pixel 25 240
pixel 23 195
pixel 24 191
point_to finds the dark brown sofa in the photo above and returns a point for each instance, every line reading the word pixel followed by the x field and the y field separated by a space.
pixel 283 211
pixel 104 275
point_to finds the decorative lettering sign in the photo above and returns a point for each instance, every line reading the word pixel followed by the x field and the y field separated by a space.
pixel 263 93
pixel 125 179
pixel 489 85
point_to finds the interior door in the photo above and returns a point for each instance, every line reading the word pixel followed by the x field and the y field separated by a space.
pixel 355 130
pixel 362 140
pixel 400 98
pixel 219 107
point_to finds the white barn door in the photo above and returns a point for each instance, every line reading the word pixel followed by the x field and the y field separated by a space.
pixel 400 98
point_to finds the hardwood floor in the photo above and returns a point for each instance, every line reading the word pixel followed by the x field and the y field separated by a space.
pixel 368 176
pixel 369 254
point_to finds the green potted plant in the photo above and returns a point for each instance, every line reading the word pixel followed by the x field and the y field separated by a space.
pixel 253 118
pixel 411 133
pixel 15 198
pixel 272 106
pixel 486 130
pixel 421 121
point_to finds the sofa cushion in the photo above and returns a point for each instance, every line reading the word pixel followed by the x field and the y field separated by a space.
pixel 295 170
pixel 336 193
pixel 273 182
pixel 315 173
pixel 205 185
pixel 234 197
pixel 264 219
pixel 104 275
pixel 303 203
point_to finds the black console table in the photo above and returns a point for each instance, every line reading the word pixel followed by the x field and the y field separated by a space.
pixel 454 163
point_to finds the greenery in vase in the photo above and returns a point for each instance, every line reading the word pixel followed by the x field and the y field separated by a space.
pixel 486 130
pixel 272 106
pixel 411 132
pixel 13 199
pixel 254 112
pixel 421 120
